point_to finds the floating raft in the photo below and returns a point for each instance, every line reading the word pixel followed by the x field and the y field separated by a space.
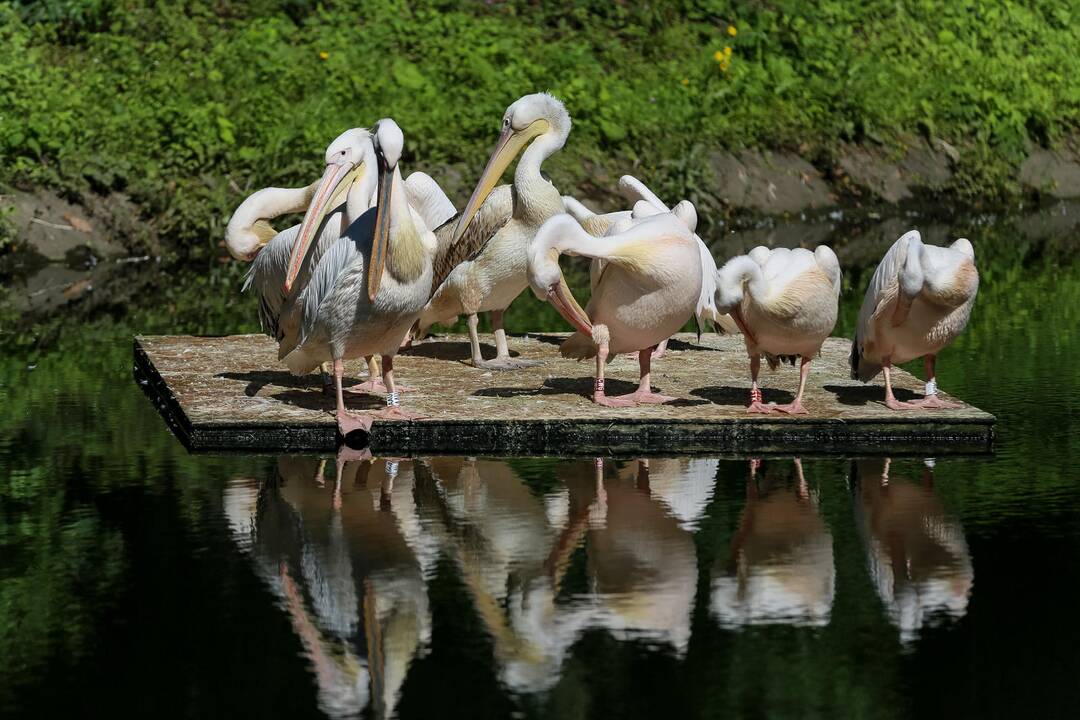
pixel 231 393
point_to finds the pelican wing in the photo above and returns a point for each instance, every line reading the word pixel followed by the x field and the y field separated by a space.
pixel 266 276
pixel 883 288
pixel 636 191
pixel 428 199
pixel 593 223
pixel 341 256
pixel 490 218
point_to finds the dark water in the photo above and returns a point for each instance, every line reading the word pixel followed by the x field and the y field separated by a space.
pixel 136 579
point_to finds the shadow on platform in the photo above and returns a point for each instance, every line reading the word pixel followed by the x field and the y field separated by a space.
pixel 866 394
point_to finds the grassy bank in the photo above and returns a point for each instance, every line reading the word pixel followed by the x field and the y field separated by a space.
pixel 187 106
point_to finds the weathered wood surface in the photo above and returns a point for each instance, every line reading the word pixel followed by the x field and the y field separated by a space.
pixel 231 393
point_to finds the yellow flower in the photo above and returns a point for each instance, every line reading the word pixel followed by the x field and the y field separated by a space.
pixel 323 54
pixel 732 30
pixel 686 81
pixel 718 56
pixel 727 51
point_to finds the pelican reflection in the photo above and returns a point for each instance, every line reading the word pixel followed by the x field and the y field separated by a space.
pixel 347 558
pixel 515 547
pixel 780 568
pixel 916 552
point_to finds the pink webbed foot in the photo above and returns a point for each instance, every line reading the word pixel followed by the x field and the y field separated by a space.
pixel 894 404
pixel 348 422
pixel 619 401
pixel 795 408
pixel 375 386
pixel 396 413
pixel 933 402
pixel 650 398
pixel 759 407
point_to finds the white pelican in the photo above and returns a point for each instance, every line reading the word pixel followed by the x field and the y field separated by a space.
pixel 785 302
pixel 249 236
pixel 484 268
pixel 918 301
pixel 647 290
pixel 370 285
pixel 645 204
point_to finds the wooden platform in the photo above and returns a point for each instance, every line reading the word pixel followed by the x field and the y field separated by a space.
pixel 230 393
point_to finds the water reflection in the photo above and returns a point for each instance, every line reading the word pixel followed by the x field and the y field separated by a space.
pixel 346 557
pixel 514 548
pixel 780 568
pixel 547 552
pixel 916 553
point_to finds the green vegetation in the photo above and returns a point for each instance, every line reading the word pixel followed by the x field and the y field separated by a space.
pixel 187 106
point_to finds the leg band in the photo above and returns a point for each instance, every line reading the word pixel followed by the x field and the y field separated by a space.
pixel 931 387
pixel 391 469
pixel 598 386
pixel 755 395
pixel 393 399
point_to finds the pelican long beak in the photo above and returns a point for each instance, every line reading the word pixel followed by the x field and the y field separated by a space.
pixel 560 296
pixel 510 144
pixel 737 316
pixel 329 194
pixel 381 242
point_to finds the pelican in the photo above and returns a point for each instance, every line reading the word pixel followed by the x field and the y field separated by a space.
pixel 369 287
pixel 648 288
pixel 918 301
pixel 645 204
pixel 249 236
pixel 785 302
pixel 484 267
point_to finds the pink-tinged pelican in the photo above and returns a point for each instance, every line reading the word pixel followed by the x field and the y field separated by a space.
pixel 785 303
pixel 482 265
pixel 369 287
pixel 645 204
pixel 918 301
pixel 647 289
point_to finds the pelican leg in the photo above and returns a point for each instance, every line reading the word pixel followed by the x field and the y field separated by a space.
pixel 327 380
pixel 795 407
pixel 374 384
pixel 890 400
pixel 756 406
pixel 392 411
pixel 598 389
pixel 932 400
pixel 502 360
pixel 659 350
pixel 347 422
pixel 644 393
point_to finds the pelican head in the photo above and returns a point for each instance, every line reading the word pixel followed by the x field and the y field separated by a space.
pixel 545 276
pixel 388 142
pixel 528 117
pixel 348 159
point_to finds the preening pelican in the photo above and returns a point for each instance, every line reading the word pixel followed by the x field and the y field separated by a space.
pixel 249 236
pixel 647 290
pixel 482 266
pixel 785 303
pixel 645 204
pixel 918 301
pixel 370 285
